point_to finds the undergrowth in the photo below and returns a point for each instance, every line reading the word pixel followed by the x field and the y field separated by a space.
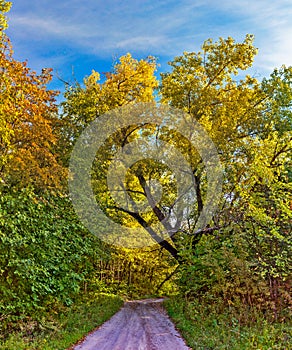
pixel 204 328
pixel 62 327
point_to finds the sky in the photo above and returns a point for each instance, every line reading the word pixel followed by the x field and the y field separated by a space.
pixel 74 37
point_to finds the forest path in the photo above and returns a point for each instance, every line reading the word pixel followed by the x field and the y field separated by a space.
pixel 139 325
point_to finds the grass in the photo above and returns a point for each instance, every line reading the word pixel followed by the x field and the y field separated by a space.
pixel 205 329
pixel 201 326
pixel 63 328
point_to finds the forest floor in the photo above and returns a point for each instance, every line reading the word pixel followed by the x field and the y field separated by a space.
pixel 139 325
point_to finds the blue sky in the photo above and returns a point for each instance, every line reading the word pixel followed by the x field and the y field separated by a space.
pixel 78 36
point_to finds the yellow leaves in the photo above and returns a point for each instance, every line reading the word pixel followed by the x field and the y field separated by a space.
pixel 249 121
pixel 131 81
pixel 203 85
pixel 226 57
pixel 271 156
pixel 4 7
pixel 92 80
pixel 27 117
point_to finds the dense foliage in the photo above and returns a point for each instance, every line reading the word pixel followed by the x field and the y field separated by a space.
pixel 246 259
pixel 240 260
pixel 28 115
pixel 46 255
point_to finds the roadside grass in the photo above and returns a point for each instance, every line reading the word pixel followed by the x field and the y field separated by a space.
pixel 62 328
pixel 205 329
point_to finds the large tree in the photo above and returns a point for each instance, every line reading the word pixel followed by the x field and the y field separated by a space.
pixel 242 115
pixel 244 253
pixel 28 116
pixel 239 113
pixel 47 256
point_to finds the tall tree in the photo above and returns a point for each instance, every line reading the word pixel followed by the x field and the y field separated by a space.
pixel 131 81
pixel 234 111
pixel 28 114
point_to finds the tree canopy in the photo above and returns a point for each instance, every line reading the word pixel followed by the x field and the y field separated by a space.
pixel 240 115
pixel 28 115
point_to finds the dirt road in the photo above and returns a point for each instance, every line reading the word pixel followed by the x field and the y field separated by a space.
pixel 139 325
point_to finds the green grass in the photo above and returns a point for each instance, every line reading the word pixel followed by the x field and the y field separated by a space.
pixel 205 329
pixel 62 328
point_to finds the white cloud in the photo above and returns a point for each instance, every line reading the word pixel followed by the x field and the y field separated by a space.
pixel 142 42
pixel 163 28
pixel 271 22
pixel 44 26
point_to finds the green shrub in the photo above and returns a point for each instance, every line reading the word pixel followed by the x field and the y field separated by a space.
pixel 46 255
pixel 63 326
pixel 203 327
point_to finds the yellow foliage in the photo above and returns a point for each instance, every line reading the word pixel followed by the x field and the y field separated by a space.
pixel 27 117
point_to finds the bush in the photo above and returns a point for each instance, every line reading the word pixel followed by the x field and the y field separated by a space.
pixel 204 328
pixel 223 272
pixel 46 255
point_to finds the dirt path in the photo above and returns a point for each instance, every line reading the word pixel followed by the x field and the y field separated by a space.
pixel 139 325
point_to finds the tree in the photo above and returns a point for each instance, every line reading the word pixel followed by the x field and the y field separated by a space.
pixel 131 81
pixel 235 112
pixel 47 256
pixel 250 123
pixel 28 115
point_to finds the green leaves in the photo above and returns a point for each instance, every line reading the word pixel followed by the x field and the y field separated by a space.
pixel 278 88
pixel 250 123
pixel 46 255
